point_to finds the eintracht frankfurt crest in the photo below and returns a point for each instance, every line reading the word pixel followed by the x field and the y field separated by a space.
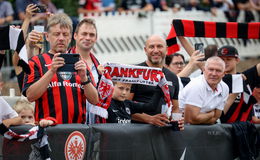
pixel 75 146
pixel 65 75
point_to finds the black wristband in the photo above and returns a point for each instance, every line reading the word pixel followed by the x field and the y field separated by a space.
pixel 3 129
pixel 86 82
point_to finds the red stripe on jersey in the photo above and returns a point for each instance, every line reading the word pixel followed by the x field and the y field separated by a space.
pixel 36 112
pixel 56 94
pixel 57 103
pixel 70 102
pixel 80 102
pixel 234 117
pixel 79 120
pixel 45 104
pixel 189 29
pixel 52 99
pixel 30 77
pixel 210 29
pixel 245 116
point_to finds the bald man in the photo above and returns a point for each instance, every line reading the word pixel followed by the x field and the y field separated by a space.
pixel 155 49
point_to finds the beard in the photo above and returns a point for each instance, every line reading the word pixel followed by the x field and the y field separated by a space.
pixel 157 61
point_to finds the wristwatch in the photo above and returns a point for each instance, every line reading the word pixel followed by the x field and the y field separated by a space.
pixel 86 82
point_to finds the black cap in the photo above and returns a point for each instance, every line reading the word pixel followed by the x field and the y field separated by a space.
pixel 228 51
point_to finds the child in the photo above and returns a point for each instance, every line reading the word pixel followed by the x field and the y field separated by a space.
pixel 26 111
pixel 256 106
pixel 8 116
pixel 120 109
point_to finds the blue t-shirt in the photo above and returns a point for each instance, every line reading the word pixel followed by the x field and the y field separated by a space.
pixel 22 4
pixel 6 9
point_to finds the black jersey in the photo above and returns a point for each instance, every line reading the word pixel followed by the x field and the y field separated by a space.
pixel 120 111
pixel 144 93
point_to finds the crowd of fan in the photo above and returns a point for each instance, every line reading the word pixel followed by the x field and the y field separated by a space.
pixel 202 100
pixel 231 8
pixel 65 97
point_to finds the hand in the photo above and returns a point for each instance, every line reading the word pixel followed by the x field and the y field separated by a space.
pixel 30 10
pixel 101 69
pixel 49 14
pixel 12 121
pixel 57 62
pixel 17 27
pixel 214 11
pixel 33 38
pixel 7 122
pixel 181 124
pixel 244 77
pixel 2 51
pixel 32 124
pixel 45 123
pixel 212 113
pixel 196 57
pixel 2 20
pixel 159 120
pixel 81 67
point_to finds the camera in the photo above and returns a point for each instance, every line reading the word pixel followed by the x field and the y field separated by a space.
pixel 200 47
pixel 70 60
pixel 40 9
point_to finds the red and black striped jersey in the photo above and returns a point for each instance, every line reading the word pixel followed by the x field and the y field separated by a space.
pixel 64 98
pixel 241 110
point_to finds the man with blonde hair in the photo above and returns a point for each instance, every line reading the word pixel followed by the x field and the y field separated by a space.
pixel 61 95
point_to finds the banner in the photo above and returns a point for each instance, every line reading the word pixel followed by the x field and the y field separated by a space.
pixel 190 28
pixel 134 74
pixel 128 74
pixel 128 142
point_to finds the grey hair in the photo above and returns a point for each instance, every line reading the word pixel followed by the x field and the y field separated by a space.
pixel 216 59
pixel 62 19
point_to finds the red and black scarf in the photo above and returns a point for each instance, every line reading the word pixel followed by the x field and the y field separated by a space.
pixel 128 74
pixel 35 132
pixel 189 28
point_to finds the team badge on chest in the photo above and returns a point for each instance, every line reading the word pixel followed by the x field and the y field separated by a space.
pixel 65 75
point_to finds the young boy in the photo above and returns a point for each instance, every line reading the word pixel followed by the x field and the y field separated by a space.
pixel 26 111
pixel 256 106
pixel 120 109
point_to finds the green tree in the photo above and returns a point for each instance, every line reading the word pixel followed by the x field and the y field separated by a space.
pixel 70 6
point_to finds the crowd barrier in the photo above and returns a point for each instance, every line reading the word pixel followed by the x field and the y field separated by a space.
pixel 129 142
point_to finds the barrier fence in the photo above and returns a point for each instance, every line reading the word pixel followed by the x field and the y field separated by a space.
pixel 129 142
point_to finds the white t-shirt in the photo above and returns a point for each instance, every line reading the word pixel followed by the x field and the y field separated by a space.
pixel 6 110
pixel 90 117
pixel 198 93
